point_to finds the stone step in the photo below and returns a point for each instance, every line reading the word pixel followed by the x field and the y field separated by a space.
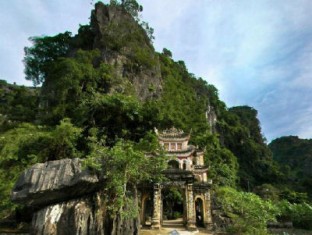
pixel 177 223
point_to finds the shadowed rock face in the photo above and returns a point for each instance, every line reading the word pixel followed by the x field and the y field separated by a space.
pixel 79 216
pixel 67 200
pixel 124 45
pixel 54 181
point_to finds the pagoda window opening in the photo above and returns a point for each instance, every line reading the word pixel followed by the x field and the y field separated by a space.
pixel 173 146
pixel 179 146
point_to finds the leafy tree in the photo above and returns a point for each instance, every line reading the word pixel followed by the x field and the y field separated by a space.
pixel 45 50
pixel 19 148
pixel 120 116
pixel 17 104
pixel 132 7
pixel 28 144
pixel 268 191
pixel 248 117
pixel 149 30
pixel 90 108
pixel 167 52
pixel 182 104
pixel 63 142
pixel 84 39
pixel 294 156
pixel 172 197
pixel 293 196
pixel 125 166
pixel 248 212
pixel 223 166
pixel 70 83
pixel 300 214
pixel 240 133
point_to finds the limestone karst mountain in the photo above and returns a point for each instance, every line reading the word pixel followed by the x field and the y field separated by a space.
pixel 92 161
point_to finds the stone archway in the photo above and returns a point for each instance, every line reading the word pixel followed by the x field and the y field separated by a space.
pixel 173 203
pixel 173 164
pixel 147 210
pixel 189 215
pixel 200 212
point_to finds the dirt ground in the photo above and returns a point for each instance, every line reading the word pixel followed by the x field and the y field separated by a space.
pixel 169 231
pixel 173 227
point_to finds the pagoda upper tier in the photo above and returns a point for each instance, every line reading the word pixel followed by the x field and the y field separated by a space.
pixel 180 154
pixel 174 140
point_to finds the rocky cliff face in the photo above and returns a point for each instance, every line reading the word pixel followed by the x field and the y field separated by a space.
pixel 125 45
pixel 211 117
pixel 78 216
pixel 67 199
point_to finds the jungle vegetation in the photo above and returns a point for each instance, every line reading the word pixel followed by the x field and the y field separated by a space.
pixel 81 107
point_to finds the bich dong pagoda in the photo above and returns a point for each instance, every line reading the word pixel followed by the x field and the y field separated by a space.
pixel 186 193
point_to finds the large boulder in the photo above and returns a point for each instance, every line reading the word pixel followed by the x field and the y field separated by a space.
pixel 84 215
pixel 54 181
pixel 78 216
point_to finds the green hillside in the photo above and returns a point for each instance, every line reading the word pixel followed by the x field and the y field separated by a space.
pixel 106 89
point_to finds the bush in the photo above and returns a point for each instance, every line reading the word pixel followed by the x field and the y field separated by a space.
pixel 299 214
pixel 248 212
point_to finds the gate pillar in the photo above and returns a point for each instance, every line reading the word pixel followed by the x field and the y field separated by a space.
pixel 207 218
pixel 156 224
pixel 190 208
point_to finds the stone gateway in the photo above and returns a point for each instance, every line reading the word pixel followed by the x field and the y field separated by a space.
pixel 187 174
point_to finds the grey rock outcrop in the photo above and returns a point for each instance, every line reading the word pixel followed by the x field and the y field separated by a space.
pixel 69 200
pixel 126 47
pixel 78 216
pixel 211 117
pixel 54 181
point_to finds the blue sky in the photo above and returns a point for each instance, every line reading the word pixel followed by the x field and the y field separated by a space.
pixel 256 52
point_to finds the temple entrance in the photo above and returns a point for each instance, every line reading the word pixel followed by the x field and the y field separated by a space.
pixel 173 164
pixel 173 206
pixel 147 207
pixel 199 209
pixel 183 198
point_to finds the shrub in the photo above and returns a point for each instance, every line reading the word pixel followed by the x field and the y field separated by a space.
pixel 248 212
pixel 300 214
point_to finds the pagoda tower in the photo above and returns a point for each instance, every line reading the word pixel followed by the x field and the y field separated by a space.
pixel 181 155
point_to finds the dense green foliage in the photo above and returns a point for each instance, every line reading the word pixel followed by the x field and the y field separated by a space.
pixel 125 165
pixel 27 144
pixel 89 108
pixel 299 213
pixel 44 52
pixel 295 157
pixel 248 212
pixel 172 198
pixel 242 135
pixel 17 104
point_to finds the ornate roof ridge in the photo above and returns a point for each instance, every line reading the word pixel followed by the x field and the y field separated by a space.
pixel 172 133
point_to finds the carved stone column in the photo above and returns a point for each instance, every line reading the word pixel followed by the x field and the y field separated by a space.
pixel 190 206
pixel 157 207
pixel 208 219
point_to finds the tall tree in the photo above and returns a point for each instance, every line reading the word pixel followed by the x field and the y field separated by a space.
pixel 45 50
